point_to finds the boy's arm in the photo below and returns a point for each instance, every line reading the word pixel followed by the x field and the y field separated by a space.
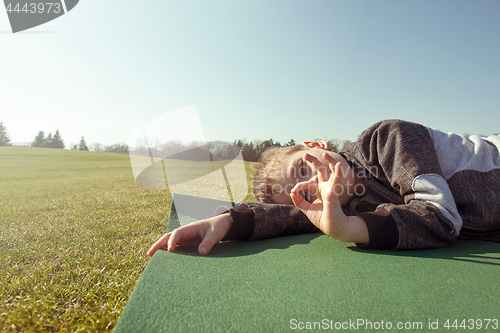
pixel 404 170
pixel 415 225
pixel 254 221
pixel 238 224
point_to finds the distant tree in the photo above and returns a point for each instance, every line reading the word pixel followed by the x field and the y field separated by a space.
pixel 290 143
pixel 334 145
pixel 345 143
pixel 261 147
pixel 220 150
pixel 74 147
pixel 247 150
pixel 4 137
pixel 239 144
pixel 119 148
pixel 249 153
pixel 97 147
pixel 267 144
pixel 39 140
pixel 83 144
pixel 48 141
pixel 57 141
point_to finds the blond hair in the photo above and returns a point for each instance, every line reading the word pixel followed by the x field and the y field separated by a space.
pixel 268 173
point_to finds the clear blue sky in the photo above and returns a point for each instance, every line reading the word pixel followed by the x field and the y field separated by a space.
pixel 254 69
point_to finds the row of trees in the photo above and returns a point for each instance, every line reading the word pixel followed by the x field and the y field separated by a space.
pixel 216 150
pixel 118 148
pixel 55 141
pixel 252 151
pixel 49 141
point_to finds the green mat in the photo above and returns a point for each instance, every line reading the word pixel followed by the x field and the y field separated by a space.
pixel 312 281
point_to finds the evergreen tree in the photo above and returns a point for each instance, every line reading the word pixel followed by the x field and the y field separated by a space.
pixel 247 150
pixel 249 153
pixel 4 137
pixel 39 140
pixel 57 141
pixel 83 144
pixel 334 145
pixel 48 141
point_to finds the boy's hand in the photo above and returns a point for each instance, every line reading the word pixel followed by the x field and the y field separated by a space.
pixel 326 212
pixel 204 233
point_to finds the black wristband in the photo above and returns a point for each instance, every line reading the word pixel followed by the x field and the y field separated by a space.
pixel 243 223
pixel 382 230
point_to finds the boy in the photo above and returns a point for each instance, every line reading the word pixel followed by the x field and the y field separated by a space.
pixel 399 186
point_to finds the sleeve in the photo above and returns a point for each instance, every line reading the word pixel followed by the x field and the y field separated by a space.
pixel 416 225
pixel 253 221
pixel 403 169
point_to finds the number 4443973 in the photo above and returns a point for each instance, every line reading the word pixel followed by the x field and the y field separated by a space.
pixel 472 324
pixel 34 8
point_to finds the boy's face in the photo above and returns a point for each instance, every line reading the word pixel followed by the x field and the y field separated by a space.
pixel 296 170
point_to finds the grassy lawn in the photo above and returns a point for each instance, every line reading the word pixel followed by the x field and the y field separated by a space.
pixel 74 230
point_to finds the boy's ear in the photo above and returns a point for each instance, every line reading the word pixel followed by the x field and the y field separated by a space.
pixel 316 144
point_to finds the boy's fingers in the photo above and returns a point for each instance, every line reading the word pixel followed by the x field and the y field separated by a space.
pixel 300 202
pixel 332 167
pixel 337 172
pixel 328 158
pixel 177 236
pixel 183 234
pixel 211 238
pixel 317 166
pixel 205 247
pixel 315 163
pixel 331 162
pixel 160 244
pixel 310 185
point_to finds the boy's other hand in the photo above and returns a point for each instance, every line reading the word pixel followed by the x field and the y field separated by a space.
pixel 204 233
pixel 316 144
pixel 326 211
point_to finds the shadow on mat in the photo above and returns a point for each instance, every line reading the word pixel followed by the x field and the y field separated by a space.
pixel 479 252
pixel 242 248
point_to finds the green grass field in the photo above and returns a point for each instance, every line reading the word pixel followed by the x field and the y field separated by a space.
pixel 74 230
